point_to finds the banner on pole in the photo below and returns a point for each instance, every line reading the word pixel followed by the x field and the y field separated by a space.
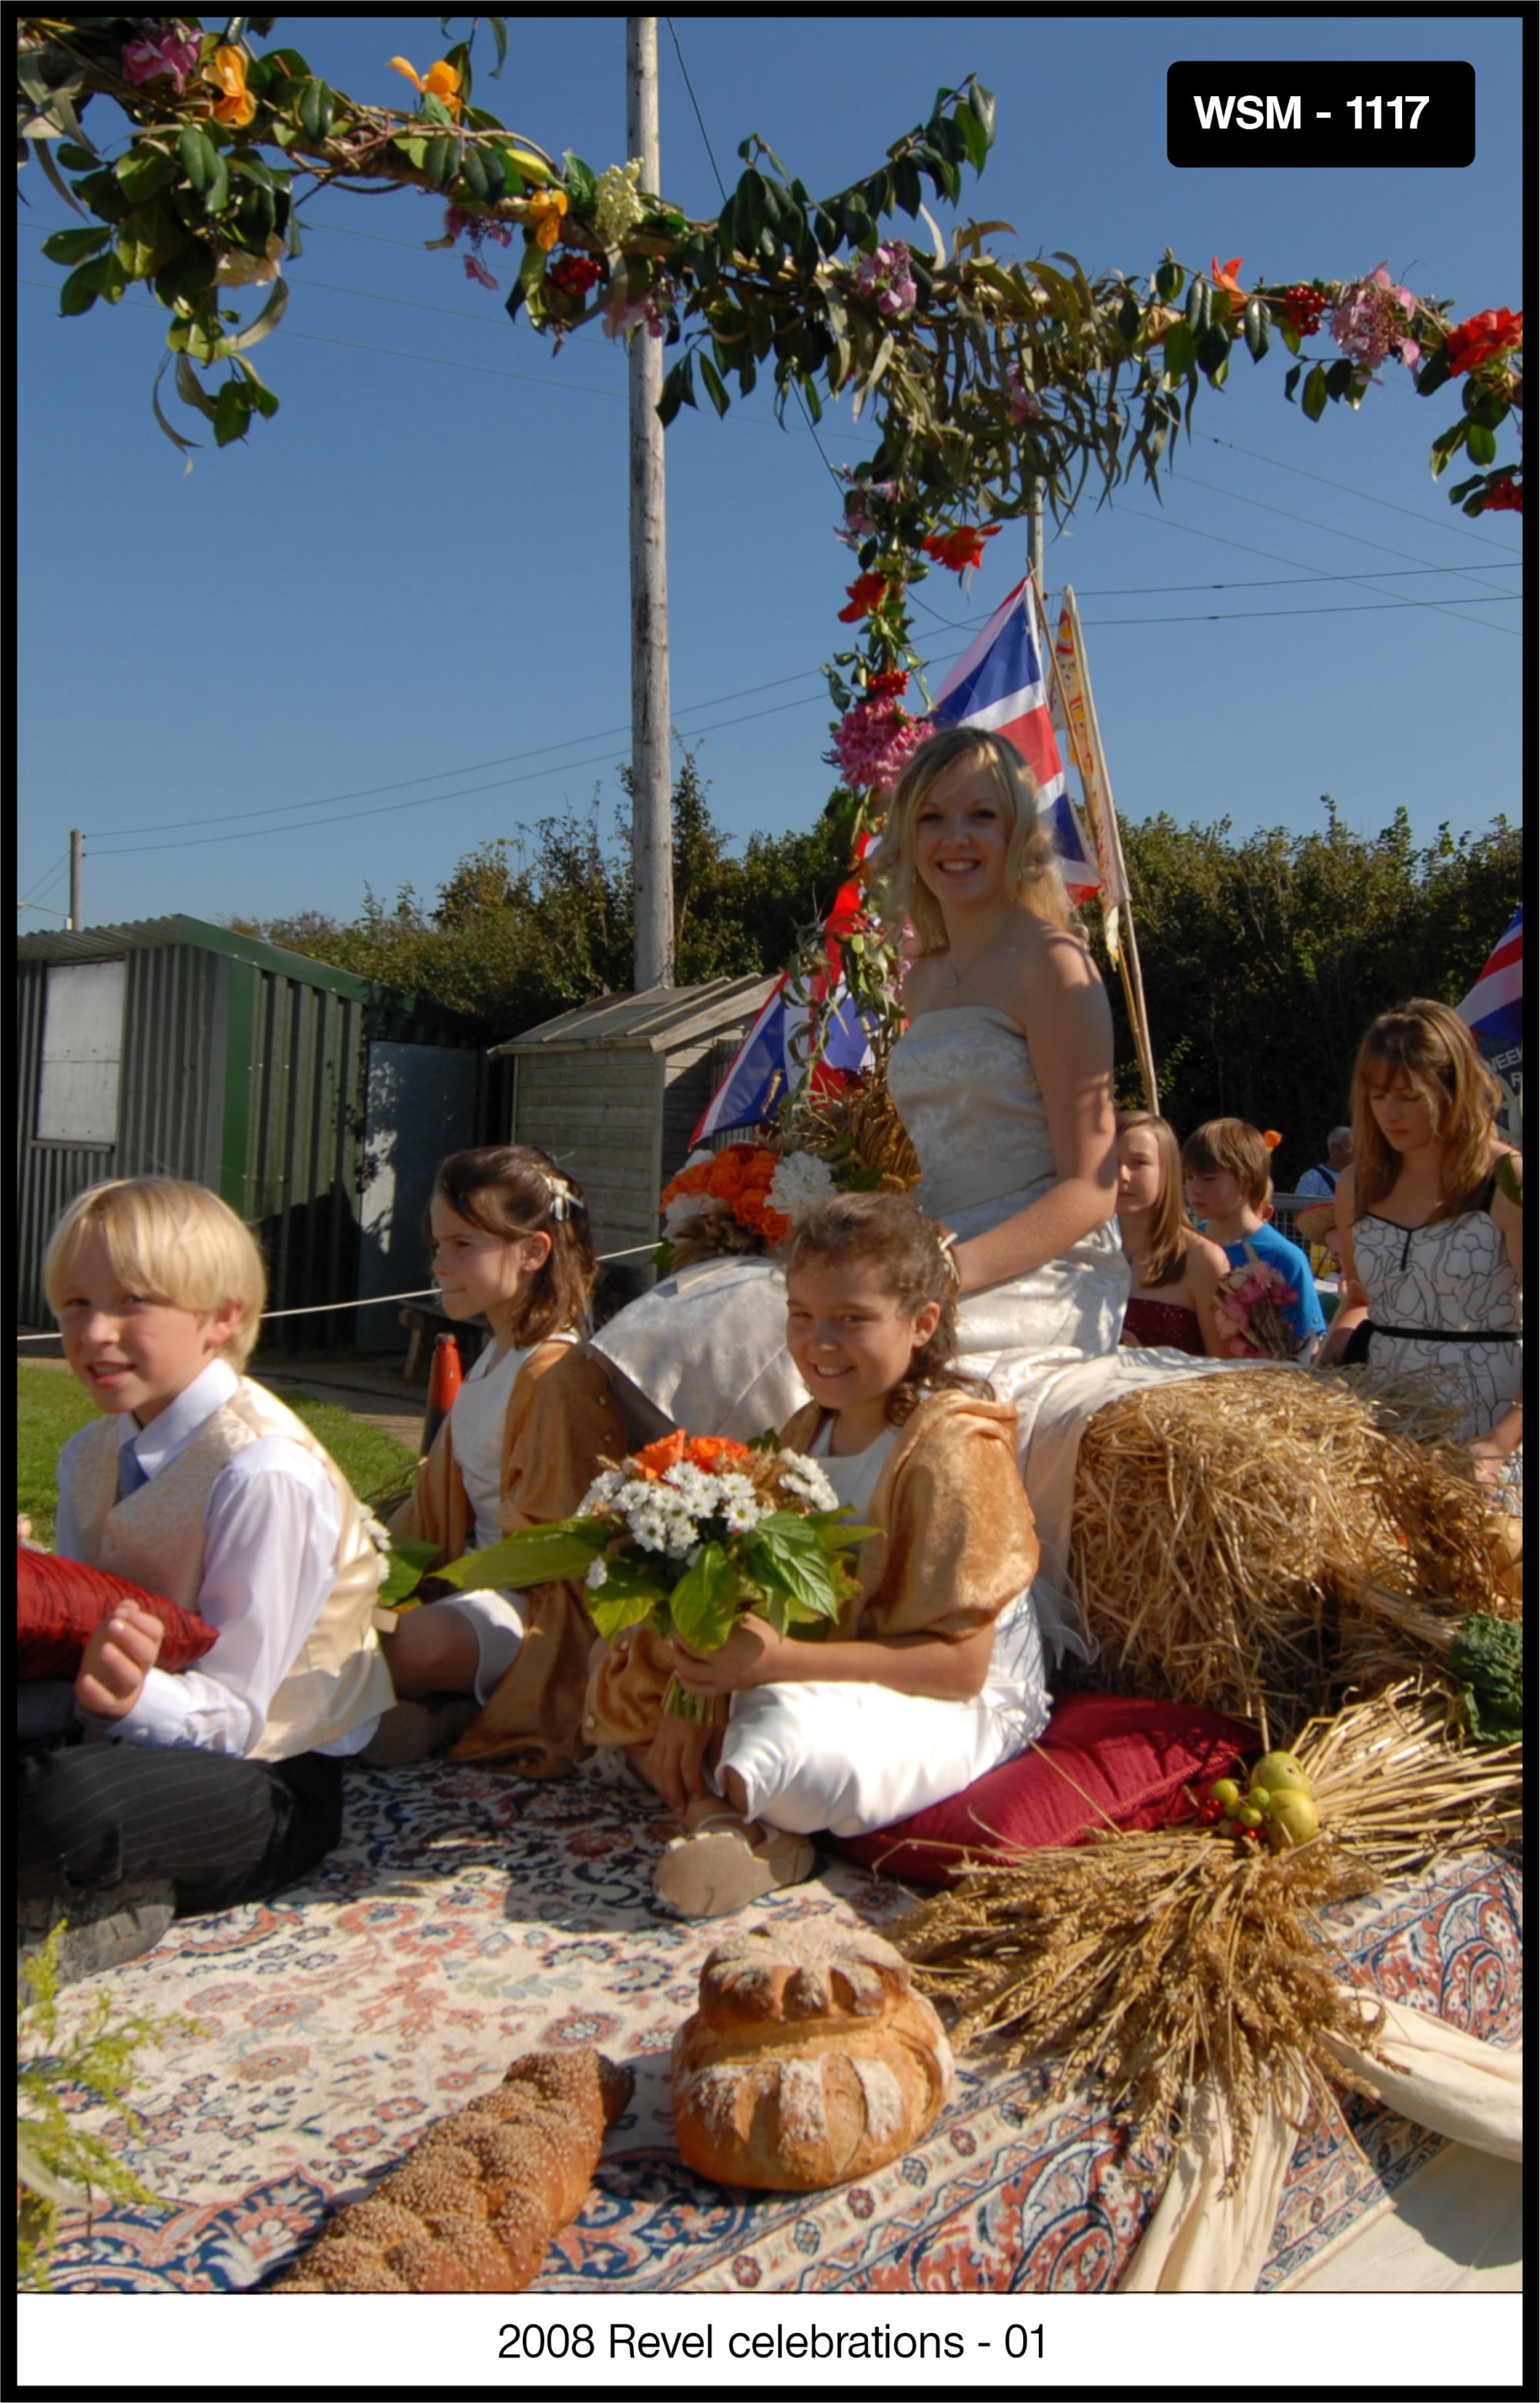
pixel 1085 738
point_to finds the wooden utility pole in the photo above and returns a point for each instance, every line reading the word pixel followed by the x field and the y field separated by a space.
pixel 1035 542
pixel 652 826
pixel 74 877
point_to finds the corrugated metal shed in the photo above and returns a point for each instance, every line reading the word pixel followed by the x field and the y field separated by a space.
pixel 213 1056
pixel 614 1090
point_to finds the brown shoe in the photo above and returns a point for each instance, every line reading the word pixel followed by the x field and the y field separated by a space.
pixel 726 1862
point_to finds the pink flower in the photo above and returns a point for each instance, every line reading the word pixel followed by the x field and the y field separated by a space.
pixel 884 275
pixel 873 743
pixel 1372 319
pixel 623 317
pixel 1023 401
pixel 161 50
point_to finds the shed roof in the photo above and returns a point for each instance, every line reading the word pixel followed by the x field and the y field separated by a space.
pixel 665 1018
pixel 65 946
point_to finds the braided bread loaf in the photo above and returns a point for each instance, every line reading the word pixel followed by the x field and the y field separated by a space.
pixel 810 2061
pixel 473 2206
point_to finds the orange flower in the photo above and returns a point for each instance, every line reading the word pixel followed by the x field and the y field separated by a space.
pixel 545 210
pixel 228 69
pixel 1272 1138
pixel 667 1452
pixel 867 595
pixel 1224 277
pixel 712 1452
pixel 441 79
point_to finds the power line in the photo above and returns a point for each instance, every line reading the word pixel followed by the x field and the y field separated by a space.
pixel 1423 516
pixel 1227 493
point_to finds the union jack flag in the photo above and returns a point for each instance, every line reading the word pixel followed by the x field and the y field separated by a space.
pixel 1493 1009
pixel 998 685
pixel 774 1054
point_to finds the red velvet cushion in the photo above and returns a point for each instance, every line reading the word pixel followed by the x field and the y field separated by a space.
pixel 60 1603
pixel 1101 1757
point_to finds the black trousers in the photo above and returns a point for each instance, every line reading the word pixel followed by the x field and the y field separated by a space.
pixel 223 1830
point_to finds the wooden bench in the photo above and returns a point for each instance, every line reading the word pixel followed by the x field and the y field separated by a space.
pixel 423 1326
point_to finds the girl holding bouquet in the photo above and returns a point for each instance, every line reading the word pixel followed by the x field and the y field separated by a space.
pixel 934 1672
pixel 522 1441
pixel 1431 1242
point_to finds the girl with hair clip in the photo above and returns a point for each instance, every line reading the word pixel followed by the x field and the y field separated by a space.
pixel 1175 1270
pixel 1432 1245
pixel 935 1671
pixel 520 1444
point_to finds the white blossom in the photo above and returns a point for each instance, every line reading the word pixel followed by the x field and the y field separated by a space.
pixel 801 1182
pixel 806 1480
pixel 598 1572
pixel 618 204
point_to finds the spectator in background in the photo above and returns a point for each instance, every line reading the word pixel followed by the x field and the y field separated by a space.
pixel 1321 1183
pixel 1229 1185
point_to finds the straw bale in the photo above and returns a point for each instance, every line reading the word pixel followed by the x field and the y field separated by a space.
pixel 1224 1526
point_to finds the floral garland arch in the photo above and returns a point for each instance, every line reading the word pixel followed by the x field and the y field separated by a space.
pixel 986 378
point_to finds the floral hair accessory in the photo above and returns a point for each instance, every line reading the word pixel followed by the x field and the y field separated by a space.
pixel 561 1196
pixel 1272 1138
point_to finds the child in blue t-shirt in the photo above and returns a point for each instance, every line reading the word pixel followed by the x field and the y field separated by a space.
pixel 1229 1181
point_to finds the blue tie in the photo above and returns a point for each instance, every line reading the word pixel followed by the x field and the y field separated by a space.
pixel 130 1475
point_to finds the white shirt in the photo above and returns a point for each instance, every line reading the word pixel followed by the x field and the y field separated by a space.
pixel 1315 1181
pixel 271 1524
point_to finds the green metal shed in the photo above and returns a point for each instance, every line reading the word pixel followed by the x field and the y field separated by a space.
pixel 314 1102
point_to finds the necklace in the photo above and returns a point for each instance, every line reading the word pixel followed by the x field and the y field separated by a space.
pixel 958 974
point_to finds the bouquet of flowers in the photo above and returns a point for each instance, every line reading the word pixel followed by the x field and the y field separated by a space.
pixel 1252 1301
pixel 685 1536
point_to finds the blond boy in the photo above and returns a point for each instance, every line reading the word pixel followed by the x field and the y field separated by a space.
pixel 222 1783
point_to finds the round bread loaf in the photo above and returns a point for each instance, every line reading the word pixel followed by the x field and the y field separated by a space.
pixel 809 2063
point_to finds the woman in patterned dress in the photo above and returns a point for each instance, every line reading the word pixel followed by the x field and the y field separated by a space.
pixel 1430 1240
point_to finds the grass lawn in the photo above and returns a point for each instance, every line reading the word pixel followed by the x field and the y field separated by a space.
pixel 50 1406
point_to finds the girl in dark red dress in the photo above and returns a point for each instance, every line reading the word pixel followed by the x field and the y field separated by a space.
pixel 1175 1270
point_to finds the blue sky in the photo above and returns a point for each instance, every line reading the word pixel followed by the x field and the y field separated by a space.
pixel 395 623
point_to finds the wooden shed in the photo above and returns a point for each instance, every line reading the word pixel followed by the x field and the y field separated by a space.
pixel 614 1091
pixel 317 1104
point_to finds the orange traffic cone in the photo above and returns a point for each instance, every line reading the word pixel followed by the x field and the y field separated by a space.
pixel 445 1378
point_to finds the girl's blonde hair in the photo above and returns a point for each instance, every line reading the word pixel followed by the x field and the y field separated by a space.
pixel 1437 1054
pixel 1233 1148
pixel 169 1239
pixel 511 1189
pixel 1166 1251
pixel 1032 865
pixel 884 1231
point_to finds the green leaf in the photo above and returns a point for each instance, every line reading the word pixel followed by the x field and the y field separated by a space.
pixel 199 158
pixel 973 133
pixel 581 182
pixel 1487 1657
pixel 143 172
pixel 78 157
pixel 316 109
pixel 1292 379
pixel 784 1554
pixel 715 389
pixel 538 1556
pixel 78 292
pixel 1198 305
pixel 1214 350
pixel 432 107
pixel 1181 348
pixel 1168 281
pixel 905 187
pixel 1258 326
pixel 187 277
pixel 442 159
pixel 628 1595
pixel 704 1602
pixel 1481 446
pixel 232 412
pixel 1313 400
pixel 484 173
pixel 67 249
pixel 1448 444
pixel 678 389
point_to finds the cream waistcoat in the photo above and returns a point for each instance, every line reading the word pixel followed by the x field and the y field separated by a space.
pixel 156 1538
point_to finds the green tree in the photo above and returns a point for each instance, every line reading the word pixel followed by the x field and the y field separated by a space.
pixel 1265 960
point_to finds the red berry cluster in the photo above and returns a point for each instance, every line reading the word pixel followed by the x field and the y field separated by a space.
pixel 575 274
pixel 1304 307
pixel 1509 495
pixel 887 685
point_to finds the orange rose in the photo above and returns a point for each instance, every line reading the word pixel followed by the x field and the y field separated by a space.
pixel 667 1452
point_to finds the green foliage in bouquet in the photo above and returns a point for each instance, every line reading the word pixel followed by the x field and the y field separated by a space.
pixel 688 1536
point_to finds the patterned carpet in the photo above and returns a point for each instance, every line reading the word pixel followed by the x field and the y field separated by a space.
pixel 466 1918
